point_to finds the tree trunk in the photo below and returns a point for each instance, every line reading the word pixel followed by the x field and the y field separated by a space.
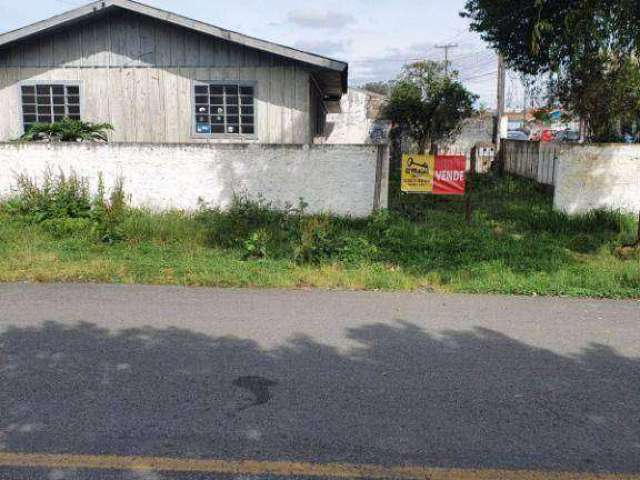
pixel 396 148
pixel 422 146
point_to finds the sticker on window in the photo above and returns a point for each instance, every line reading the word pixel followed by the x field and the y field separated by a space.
pixel 203 128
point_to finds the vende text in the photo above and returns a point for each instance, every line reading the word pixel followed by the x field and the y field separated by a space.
pixel 449 176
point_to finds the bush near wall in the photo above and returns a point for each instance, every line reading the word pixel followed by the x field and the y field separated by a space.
pixel 67 130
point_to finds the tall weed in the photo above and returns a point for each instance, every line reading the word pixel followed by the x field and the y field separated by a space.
pixel 64 206
pixel 58 196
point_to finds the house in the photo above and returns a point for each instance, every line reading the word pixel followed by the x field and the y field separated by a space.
pixel 158 77
pixel 201 114
pixel 356 120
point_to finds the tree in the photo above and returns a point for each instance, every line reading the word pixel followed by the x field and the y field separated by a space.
pixel 589 48
pixel 382 88
pixel 427 104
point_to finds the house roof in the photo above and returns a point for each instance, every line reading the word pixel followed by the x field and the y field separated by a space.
pixel 100 6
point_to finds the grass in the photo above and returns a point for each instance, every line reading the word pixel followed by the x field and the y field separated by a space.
pixel 516 245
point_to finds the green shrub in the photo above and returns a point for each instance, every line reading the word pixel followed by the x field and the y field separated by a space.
pixel 259 231
pixel 356 250
pixel 231 228
pixel 109 214
pixel 68 227
pixel 257 245
pixel 317 241
pixel 58 196
pixel 61 201
pixel 67 130
pixel 238 225
pixel 395 236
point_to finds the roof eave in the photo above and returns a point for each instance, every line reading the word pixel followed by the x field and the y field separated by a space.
pixel 53 22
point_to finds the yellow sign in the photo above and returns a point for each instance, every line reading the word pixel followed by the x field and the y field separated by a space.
pixel 417 173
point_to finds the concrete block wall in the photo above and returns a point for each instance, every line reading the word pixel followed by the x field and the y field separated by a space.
pixel 592 177
pixel 341 179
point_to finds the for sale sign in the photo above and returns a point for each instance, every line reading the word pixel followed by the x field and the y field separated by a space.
pixel 417 173
pixel 438 175
pixel 449 176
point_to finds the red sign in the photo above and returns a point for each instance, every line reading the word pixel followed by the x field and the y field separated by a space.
pixel 449 175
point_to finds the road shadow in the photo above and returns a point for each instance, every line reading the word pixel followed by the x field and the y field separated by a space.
pixel 464 399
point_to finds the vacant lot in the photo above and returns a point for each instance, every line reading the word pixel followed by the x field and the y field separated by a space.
pixel 516 245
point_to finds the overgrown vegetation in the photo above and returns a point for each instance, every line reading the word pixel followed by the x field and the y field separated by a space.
pixel 63 206
pixel 59 231
pixel 67 130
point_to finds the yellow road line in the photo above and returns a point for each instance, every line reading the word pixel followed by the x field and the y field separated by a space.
pixel 284 469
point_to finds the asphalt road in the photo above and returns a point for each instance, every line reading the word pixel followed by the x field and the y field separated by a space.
pixel 307 378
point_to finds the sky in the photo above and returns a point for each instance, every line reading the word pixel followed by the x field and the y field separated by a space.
pixel 376 37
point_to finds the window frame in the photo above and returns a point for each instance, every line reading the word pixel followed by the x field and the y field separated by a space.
pixel 224 136
pixel 35 83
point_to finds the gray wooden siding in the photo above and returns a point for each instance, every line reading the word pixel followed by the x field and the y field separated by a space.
pixel 154 104
pixel 122 39
pixel 137 74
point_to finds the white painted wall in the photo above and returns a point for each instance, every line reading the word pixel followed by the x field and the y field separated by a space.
pixel 593 177
pixel 358 120
pixel 331 178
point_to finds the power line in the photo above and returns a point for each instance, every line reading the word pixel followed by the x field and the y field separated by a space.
pixel 67 3
pixel 446 47
pixel 475 67
pixel 480 55
pixel 475 54
pixel 476 77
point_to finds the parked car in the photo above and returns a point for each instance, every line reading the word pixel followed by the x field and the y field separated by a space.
pixel 517 135
pixel 568 136
pixel 547 135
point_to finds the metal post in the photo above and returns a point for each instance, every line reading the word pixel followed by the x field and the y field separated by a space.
pixel 470 181
pixel 502 80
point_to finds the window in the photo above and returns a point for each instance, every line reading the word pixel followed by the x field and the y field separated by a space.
pixel 49 103
pixel 224 109
pixel 318 112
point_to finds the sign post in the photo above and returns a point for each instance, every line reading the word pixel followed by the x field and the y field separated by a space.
pixel 472 176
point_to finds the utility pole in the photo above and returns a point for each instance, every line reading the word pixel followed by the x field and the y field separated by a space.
pixel 525 105
pixel 502 80
pixel 446 47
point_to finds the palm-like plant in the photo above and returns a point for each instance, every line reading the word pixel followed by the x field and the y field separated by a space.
pixel 68 130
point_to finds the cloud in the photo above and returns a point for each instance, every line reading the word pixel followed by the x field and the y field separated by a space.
pixel 388 64
pixel 323 47
pixel 475 63
pixel 322 19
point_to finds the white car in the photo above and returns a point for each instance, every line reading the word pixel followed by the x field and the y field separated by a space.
pixel 517 135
